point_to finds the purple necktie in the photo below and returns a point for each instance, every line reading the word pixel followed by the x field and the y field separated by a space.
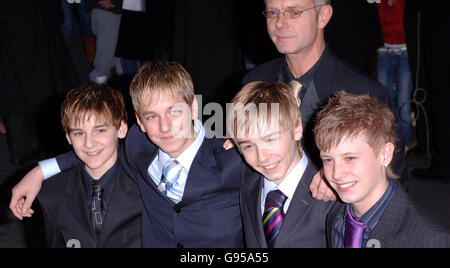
pixel 273 216
pixel 353 232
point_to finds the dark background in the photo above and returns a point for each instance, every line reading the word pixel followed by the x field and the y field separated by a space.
pixel 217 41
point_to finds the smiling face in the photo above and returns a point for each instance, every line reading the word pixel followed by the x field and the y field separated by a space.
pixel 168 121
pixel 356 172
pixel 273 152
pixel 95 142
pixel 294 36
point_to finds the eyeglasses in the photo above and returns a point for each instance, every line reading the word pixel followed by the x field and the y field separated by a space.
pixel 290 13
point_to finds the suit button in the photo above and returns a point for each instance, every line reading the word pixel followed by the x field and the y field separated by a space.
pixel 177 209
pixel 179 245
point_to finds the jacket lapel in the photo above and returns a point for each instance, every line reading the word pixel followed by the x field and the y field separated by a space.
pixel 77 208
pixel 118 205
pixel 298 208
pixel 253 200
pixel 203 167
pixel 336 210
pixel 388 226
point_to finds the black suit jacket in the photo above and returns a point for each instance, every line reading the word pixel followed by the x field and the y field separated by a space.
pixel 304 223
pixel 331 76
pixel 66 218
pixel 400 226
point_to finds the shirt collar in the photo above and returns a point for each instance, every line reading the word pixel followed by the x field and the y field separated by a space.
pixel 307 78
pixel 107 182
pixel 290 183
pixel 371 217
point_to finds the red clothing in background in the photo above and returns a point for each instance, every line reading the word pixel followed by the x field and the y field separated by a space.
pixel 391 19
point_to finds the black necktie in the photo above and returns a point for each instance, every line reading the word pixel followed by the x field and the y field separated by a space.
pixel 98 209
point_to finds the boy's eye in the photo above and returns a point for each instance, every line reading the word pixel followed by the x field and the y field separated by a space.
pixel 350 158
pixel 77 133
pixel 101 130
pixel 175 112
pixel 327 160
pixel 150 117
pixel 246 147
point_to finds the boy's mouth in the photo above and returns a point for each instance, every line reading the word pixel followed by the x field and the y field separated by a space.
pixel 345 186
pixel 271 167
pixel 94 153
pixel 167 138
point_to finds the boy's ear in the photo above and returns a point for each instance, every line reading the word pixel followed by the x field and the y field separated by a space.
pixel 194 109
pixel 68 138
pixel 298 131
pixel 387 152
pixel 138 120
pixel 123 129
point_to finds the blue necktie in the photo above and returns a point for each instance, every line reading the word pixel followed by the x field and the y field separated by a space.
pixel 273 216
pixel 168 184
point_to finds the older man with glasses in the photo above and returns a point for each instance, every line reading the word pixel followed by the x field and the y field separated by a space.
pixel 296 27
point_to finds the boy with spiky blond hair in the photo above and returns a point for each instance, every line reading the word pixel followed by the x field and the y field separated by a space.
pixel 356 135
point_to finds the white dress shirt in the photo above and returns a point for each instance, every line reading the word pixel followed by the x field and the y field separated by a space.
pixel 185 158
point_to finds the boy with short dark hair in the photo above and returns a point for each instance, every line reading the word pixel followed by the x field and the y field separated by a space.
pixel 95 203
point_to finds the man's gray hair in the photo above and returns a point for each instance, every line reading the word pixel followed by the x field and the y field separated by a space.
pixel 320 3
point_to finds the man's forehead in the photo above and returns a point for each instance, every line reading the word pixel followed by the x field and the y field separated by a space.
pixel 289 3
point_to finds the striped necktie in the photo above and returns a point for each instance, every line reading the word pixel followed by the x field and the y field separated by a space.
pixel 273 216
pixel 168 184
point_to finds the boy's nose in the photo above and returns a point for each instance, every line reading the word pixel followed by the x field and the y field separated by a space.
pixel 89 141
pixel 339 171
pixel 262 155
pixel 165 124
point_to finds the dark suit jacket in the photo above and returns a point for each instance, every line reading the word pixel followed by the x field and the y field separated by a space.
pixel 400 226
pixel 208 215
pixel 304 223
pixel 66 218
pixel 332 76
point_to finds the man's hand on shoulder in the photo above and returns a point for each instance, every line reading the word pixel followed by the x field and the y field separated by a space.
pixel 228 144
pixel 320 188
